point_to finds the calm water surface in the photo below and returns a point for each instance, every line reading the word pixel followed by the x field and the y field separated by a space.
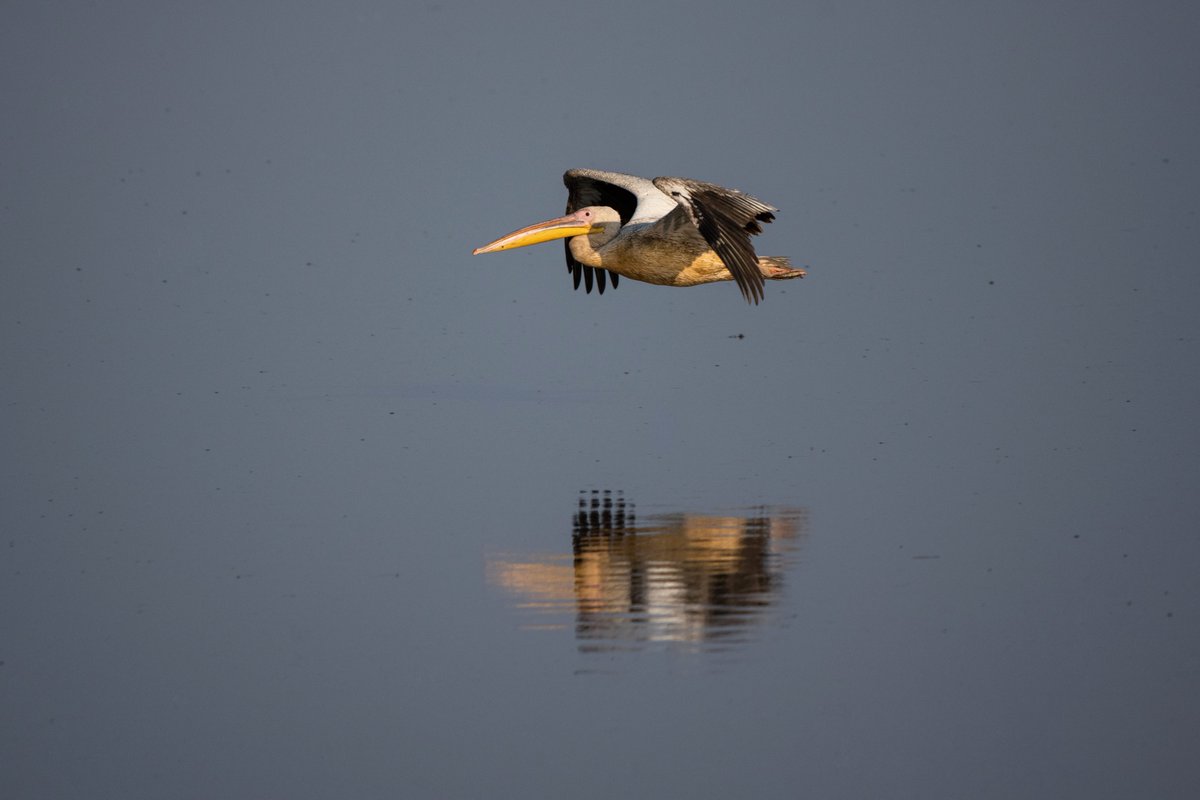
pixel 299 500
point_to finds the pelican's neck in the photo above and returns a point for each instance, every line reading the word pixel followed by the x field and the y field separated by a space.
pixel 583 250
pixel 589 250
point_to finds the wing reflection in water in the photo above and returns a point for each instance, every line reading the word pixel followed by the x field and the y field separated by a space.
pixel 694 579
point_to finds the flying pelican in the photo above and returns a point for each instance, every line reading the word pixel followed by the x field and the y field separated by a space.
pixel 669 231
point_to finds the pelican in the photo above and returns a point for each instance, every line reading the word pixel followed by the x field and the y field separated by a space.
pixel 668 231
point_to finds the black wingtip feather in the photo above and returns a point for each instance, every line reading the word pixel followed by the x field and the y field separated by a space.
pixel 726 219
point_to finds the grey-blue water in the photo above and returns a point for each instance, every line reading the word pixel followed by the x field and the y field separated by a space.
pixel 301 500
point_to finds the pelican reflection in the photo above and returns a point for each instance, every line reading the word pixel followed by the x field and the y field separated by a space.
pixel 697 579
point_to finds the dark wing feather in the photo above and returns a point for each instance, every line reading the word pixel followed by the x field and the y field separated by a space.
pixel 726 219
pixel 585 190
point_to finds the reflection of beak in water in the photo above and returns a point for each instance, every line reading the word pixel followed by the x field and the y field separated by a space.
pixel 668 577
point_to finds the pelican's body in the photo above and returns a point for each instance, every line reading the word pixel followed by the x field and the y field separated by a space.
pixel 643 252
pixel 668 231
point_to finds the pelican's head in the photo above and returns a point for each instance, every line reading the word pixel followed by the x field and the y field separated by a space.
pixel 598 223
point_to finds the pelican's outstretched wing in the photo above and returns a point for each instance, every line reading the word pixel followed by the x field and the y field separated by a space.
pixel 726 218
pixel 632 197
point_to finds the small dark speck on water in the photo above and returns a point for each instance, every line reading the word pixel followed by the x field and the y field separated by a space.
pixel 737 336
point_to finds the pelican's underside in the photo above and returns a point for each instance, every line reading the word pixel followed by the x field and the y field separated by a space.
pixel 686 260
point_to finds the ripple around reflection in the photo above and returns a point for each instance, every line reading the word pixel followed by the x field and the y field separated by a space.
pixel 696 580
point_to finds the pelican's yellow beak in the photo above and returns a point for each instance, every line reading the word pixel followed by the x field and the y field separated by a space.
pixel 557 228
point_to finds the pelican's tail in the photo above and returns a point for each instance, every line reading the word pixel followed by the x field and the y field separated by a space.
pixel 778 268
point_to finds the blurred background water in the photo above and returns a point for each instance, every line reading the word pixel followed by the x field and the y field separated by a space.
pixel 292 487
